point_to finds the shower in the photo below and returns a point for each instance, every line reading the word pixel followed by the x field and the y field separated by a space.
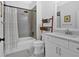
pixel 18 26
pixel 26 23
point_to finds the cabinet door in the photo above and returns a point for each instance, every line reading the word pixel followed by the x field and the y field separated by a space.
pixel 51 50
pixel 67 53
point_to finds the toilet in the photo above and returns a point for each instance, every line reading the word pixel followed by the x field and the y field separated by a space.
pixel 38 46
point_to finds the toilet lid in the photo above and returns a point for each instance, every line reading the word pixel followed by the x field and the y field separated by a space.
pixel 38 42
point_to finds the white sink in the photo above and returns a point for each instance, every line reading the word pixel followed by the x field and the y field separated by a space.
pixel 63 34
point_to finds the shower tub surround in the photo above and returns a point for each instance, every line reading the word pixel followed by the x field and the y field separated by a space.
pixel 24 48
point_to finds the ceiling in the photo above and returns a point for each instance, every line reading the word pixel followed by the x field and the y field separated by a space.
pixel 60 3
pixel 22 4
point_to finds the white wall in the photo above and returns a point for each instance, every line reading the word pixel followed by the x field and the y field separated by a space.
pixel 39 17
pixel 45 9
pixel 48 9
pixel 72 9
pixel 32 5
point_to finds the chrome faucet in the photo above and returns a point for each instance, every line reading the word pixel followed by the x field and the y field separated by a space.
pixel 68 32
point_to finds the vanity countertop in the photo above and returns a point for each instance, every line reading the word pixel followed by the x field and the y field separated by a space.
pixel 65 36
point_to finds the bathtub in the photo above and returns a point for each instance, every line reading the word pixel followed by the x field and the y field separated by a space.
pixel 24 48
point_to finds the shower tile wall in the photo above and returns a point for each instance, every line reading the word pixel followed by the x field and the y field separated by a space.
pixel 23 23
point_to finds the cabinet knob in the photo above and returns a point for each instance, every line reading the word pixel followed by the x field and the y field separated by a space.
pixel 60 51
pixel 57 50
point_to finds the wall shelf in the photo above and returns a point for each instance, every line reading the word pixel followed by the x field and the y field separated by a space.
pixel 47 27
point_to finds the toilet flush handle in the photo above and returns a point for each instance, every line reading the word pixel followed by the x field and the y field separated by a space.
pixel 1 39
pixel 2 22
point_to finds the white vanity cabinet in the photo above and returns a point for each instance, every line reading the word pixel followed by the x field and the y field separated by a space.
pixel 51 49
pixel 66 52
pixel 59 47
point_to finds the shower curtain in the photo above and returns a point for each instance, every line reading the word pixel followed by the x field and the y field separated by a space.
pixel 11 33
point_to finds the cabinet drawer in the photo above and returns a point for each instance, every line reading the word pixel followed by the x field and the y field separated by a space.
pixel 68 53
pixel 59 41
pixel 74 46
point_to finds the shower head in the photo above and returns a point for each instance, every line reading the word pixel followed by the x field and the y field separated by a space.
pixel 26 11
